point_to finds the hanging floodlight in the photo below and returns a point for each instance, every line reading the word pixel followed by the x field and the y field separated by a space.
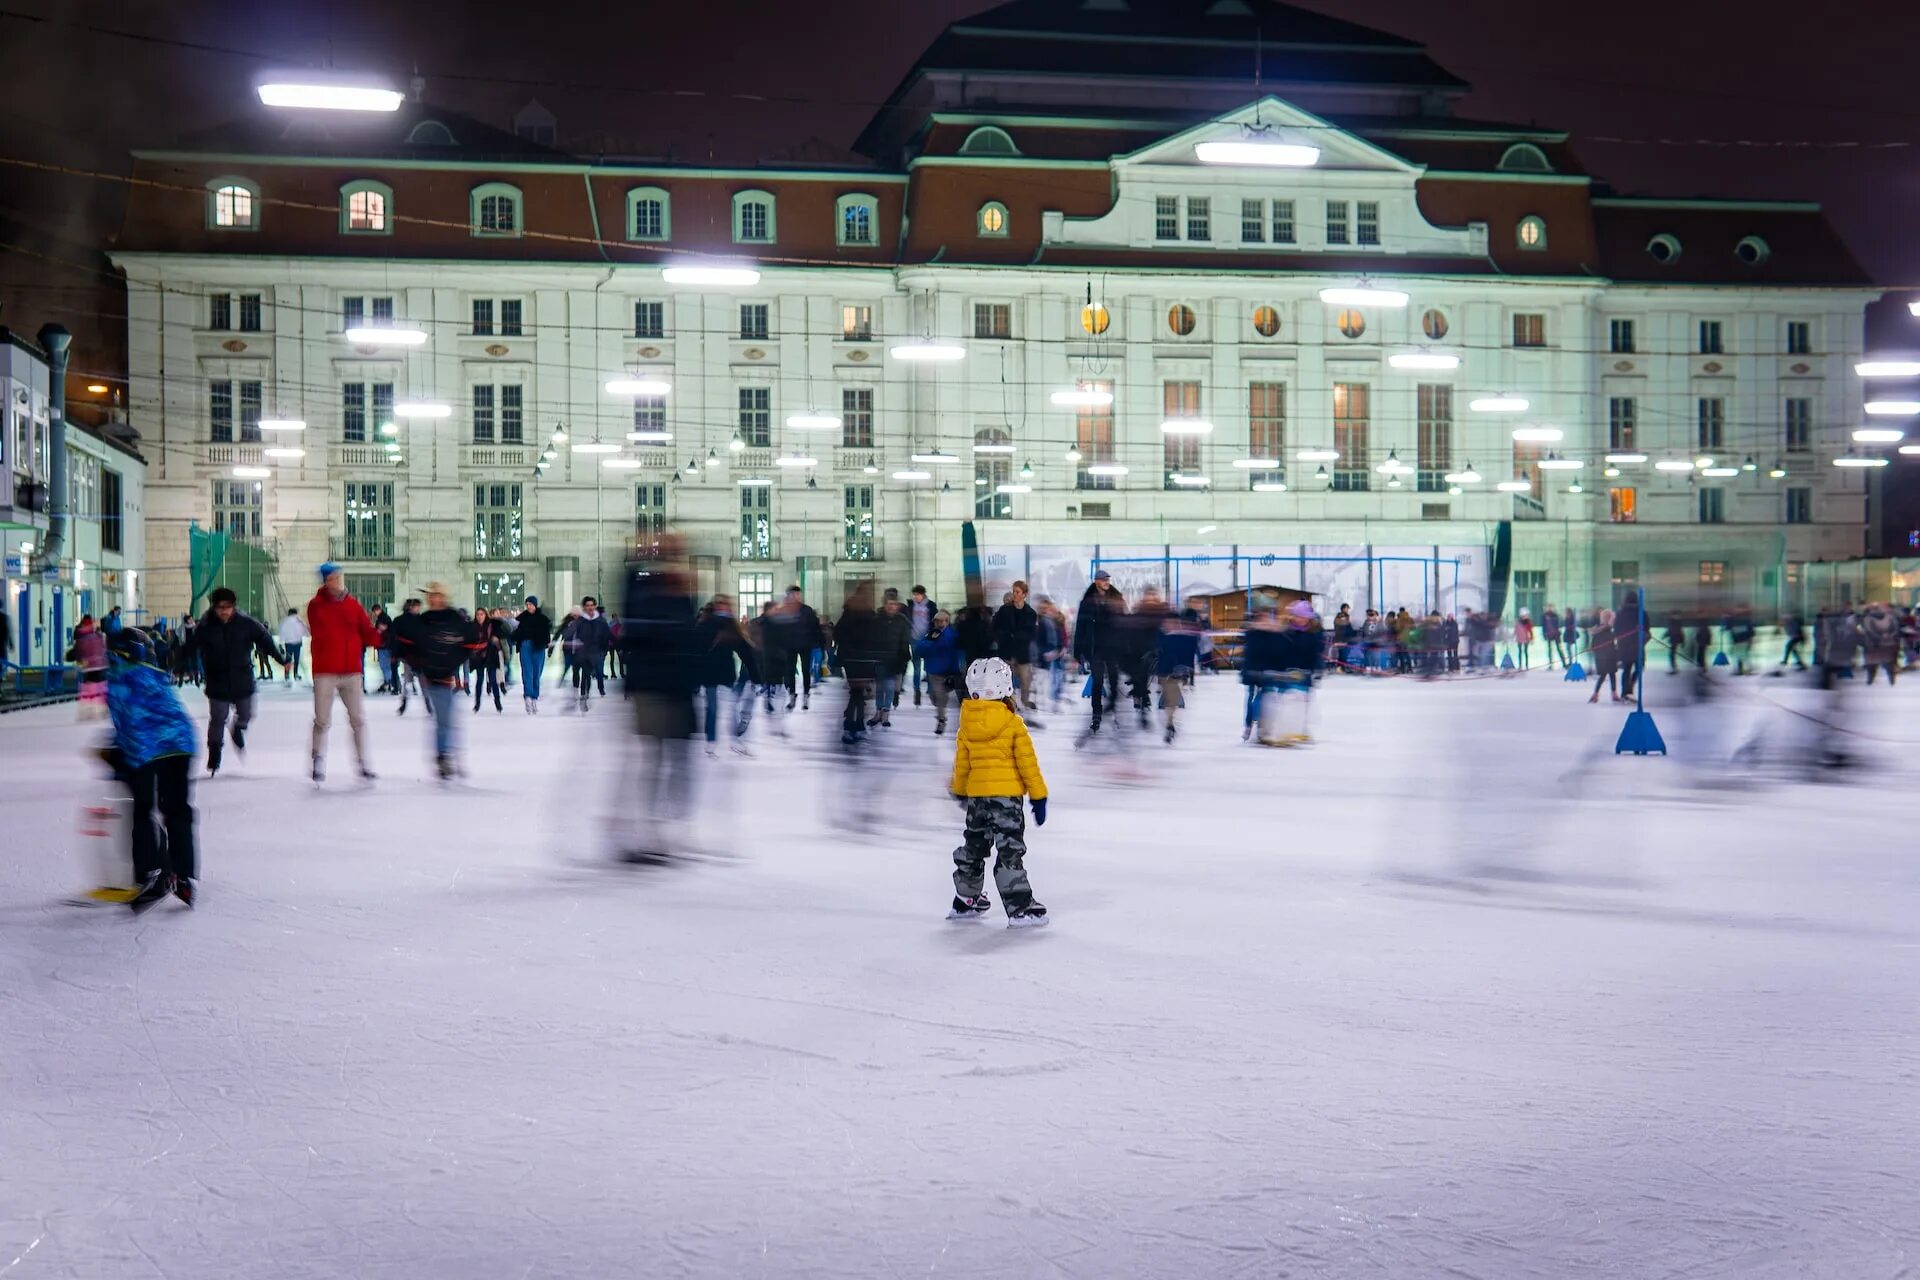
pixel 936 457
pixel 1073 453
pixel 811 421
pixel 927 351
pixel 1258 147
pixel 1625 459
pixel 422 409
pixel 1256 464
pixel 638 387
pixel 796 460
pixel 710 274
pixel 283 452
pixel 1893 408
pixel 1673 464
pixel 1026 471
pixel 1611 473
pixel 871 469
pixel 1392 466
pixel 754 482
pixel 1082 397
pixel 1423 360
pixel 1575 488
pixel 389 429
pixel 1721 473
pixel 693 466
pixel 913 473
pixel 1321 475
pixel 1014 488
pixel 1317 455
pixel 1002 449
pixel 366 335
pixel 1847 459
pixel 736 445
pixel 1269 486
pixel 1749 464
pixel 713 458
pixel 308 93
pixel 1106 469
pixel 1878 435
pixel 1908 449
pixel 1554 462
pixel 1186 427
pixel 623 464
pixel 1703 461
pixel 1393 481
pixel 650 437
pixel 1499 404
pixel 1888 368
pixel 1363 296
pixel 252 473
pixel 1515 486
pixel 1467 476
pixel 282 424
pixel 546 455
pixel 559 435
pixel 1189 480
pixel 1538 435
pixel 595 446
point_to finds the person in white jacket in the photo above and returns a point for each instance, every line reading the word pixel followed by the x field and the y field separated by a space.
pixel 293 638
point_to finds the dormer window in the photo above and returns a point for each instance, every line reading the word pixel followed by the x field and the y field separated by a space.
pixel 649 214
pixel 856 220
pixel 233 204
pixel 1531 233
pixel 495 210
pixel 989 141
pixel 1524 157
pixel 753 218
pixel 366 209
pixel 993 219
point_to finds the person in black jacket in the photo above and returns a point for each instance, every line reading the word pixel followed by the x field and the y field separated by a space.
pixel 1096 646
pixel 533 635
pixel 486 659
pixel 792 634
pixel 896 632
pixel 1014 628
pixel 720 644
pixel 658 640
pixel 225 643
pixel 863 646
pixel 592 640
pixel 438 643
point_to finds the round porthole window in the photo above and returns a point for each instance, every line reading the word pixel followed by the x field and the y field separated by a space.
pixel 1434 324
pixel 1663 248
pixel 1266 321
pixel 1350 322
pixel 1532 232
pixel 1751 250
pixel 1094 318
pixel 1180 319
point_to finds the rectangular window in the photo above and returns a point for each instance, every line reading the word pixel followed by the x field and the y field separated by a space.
pixel 1435 442
pixel 1622 504
pixel 756 589
pixel 1180 454
pixel 512 414
pixel 1799 506
pixel 1166 217
pixel 1529 329
pixel 650 413
pixel 1253 221
pixel 756 417
pixel 1623 421
pixel 1713 506
pixel 856 417
pixel 483 413
pixel 1267 430
pixel 353 312
pixel 237 505
pixel 1283 222
pixel 1713 573
pixel 650 516
pixel 649 320
pixel 753 220
pixel 220 311
pixel 381 309
pixel 250 413
pixel 1620 337
pixel 220 410
pixel 1713 422
pixel 1799 338
pixel 856 323
pixel 1199 218
pixel 1336 222
pixel 992 320
pixel 496 521
pixel 1093 440
pixel 990 471
pixel 648 220
pixel 249 313
pixel 112 501
pixel 483 317
pixel 756 523
pixel 368 531
pixel 510 312
pixel 753 320
pixel 1366 222
pixel 857 513
pixel 361 309
pixel 1710 338
pixel 353 409
pixel 1526 465
pixel 1350 436
pixel 1530 592
pixel 856 224
pixel 1799 425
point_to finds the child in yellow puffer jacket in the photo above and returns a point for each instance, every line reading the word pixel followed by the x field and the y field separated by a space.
pixel 993 767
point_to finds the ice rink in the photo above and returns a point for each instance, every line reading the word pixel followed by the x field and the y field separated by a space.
pixel 1453 993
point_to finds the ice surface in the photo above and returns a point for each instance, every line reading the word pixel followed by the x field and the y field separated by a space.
pixel 1453 993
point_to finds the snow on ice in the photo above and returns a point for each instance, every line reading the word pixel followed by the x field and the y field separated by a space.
pixel 1454 992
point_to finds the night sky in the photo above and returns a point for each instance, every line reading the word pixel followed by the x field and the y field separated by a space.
pixel 1792 101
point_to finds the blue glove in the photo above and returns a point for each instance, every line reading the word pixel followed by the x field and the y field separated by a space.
pixel 1040 813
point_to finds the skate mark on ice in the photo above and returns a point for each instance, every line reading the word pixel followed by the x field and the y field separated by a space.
pixel 1029 1069
pixel 728 1039
pixel 1495 897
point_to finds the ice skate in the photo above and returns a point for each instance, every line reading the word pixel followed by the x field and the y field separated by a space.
pixel 155 887
pixel 319 771
pixel 1034 917
pixel 969 908
pixel 185 890
pixel 740 749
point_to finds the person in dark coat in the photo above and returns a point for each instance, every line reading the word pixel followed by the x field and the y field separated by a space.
pixel 920 614
pixel 533 636
pixel 225 643
pixel 485 662
pixel 1138 637
pixel 1095 644
pixel 592 640
pixel 1015 627
pixel 864 646
pixel 939 652
pixel 724 660
pixel 898 633
pixel 1627 641
pixel 1450 641
pixel 657 637
pixel 1602 646
pixel 792 633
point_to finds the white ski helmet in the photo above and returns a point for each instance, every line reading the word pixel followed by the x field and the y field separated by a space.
pixel 989 678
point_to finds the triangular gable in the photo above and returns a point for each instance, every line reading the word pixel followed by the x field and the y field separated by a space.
pixel 1281 121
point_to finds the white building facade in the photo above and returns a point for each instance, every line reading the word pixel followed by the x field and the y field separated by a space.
pixel 1680 375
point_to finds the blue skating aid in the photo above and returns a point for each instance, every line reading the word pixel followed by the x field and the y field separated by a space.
pixel 1639 736
pixel 1720 659
pixel 1506 662
pixel 1576 674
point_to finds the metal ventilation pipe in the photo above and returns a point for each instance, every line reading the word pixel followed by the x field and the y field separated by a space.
pixel 54 340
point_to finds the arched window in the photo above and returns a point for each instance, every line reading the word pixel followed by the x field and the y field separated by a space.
pixel 1524 157
pixel 753 218
pixel 366 209
pixel 856 220
pixel 649 214
pixel 992 220
pixel 1531 232
pixel 233 204
pixel 992 467
pixel 989 141
pixel 496 209
pixel 431 133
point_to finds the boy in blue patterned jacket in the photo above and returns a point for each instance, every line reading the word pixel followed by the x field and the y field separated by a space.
pixel 155 741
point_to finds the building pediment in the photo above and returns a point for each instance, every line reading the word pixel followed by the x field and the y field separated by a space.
pixel 1269 122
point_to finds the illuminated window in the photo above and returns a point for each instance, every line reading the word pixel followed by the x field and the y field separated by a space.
pixel 1434 324
pixel 365 208
pixel 496 210
pixel 992 320
pixel 1180 453
pixel 1267 429
pixel 1713 573
pixel 1529 329
pixel 1434 442
pixel 1266 321
pixel 1622 503
pixel 1350 436
pixel 856 322
pixel 1350 322
pixel 1532 232
pixel 993 219
pixel 233 204
pixel 1180 319
pixel 1094 318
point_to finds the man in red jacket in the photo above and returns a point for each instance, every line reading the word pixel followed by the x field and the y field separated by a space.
pixel 342 633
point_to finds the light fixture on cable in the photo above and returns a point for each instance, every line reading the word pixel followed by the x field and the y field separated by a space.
pixel 1466 476
pixel 912 473
pixel 1259 146
pixel 1888 368
pixel 934 457
pixel 367 335
pixel 713 458
pixel 422 409
pixel 754 482
pixel 1878 435
pixel 306 91
pixel 622 464
pixel 252 473
pixel 638 386
pixel 282 424
pixel 997 449
pixel 1363 296
pixel 1257 464
pixel 1515 486
pixel 1393 466
pixel 1320 474
pixel 1673 464
pixel 1082 397
pixel 872 468
pixel 1423 360
pixel 1720 473
pixel 718 274
pixel 594 446
pixel 1317 455
pixel 1847 459
pixel 1190 480
pixel 1625 459
pixel 283 451
pixel 1186 427
pixel 1013 488
pixel 927 351
pixel 1538 435
pixel 795 460
pixel 814 421
pixel 1106 469
pixel 1892 408
pixel 1073 453
pixel 650 437
pixel 1499 404
pixel 1269 486
pixel 1554 462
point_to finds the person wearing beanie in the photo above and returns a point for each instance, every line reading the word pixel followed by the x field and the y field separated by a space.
pixel 342 634
pixel 994 767
pixel 533 636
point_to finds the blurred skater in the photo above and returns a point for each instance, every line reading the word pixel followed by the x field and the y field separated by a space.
pixel 153 741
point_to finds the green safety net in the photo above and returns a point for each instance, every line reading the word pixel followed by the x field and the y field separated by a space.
pixel 207 552
pixel 221 561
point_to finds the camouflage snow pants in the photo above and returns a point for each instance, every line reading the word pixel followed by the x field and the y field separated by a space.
pixel 994 820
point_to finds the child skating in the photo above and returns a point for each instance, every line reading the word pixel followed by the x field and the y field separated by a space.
pixel 993 768
pixel 155 740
